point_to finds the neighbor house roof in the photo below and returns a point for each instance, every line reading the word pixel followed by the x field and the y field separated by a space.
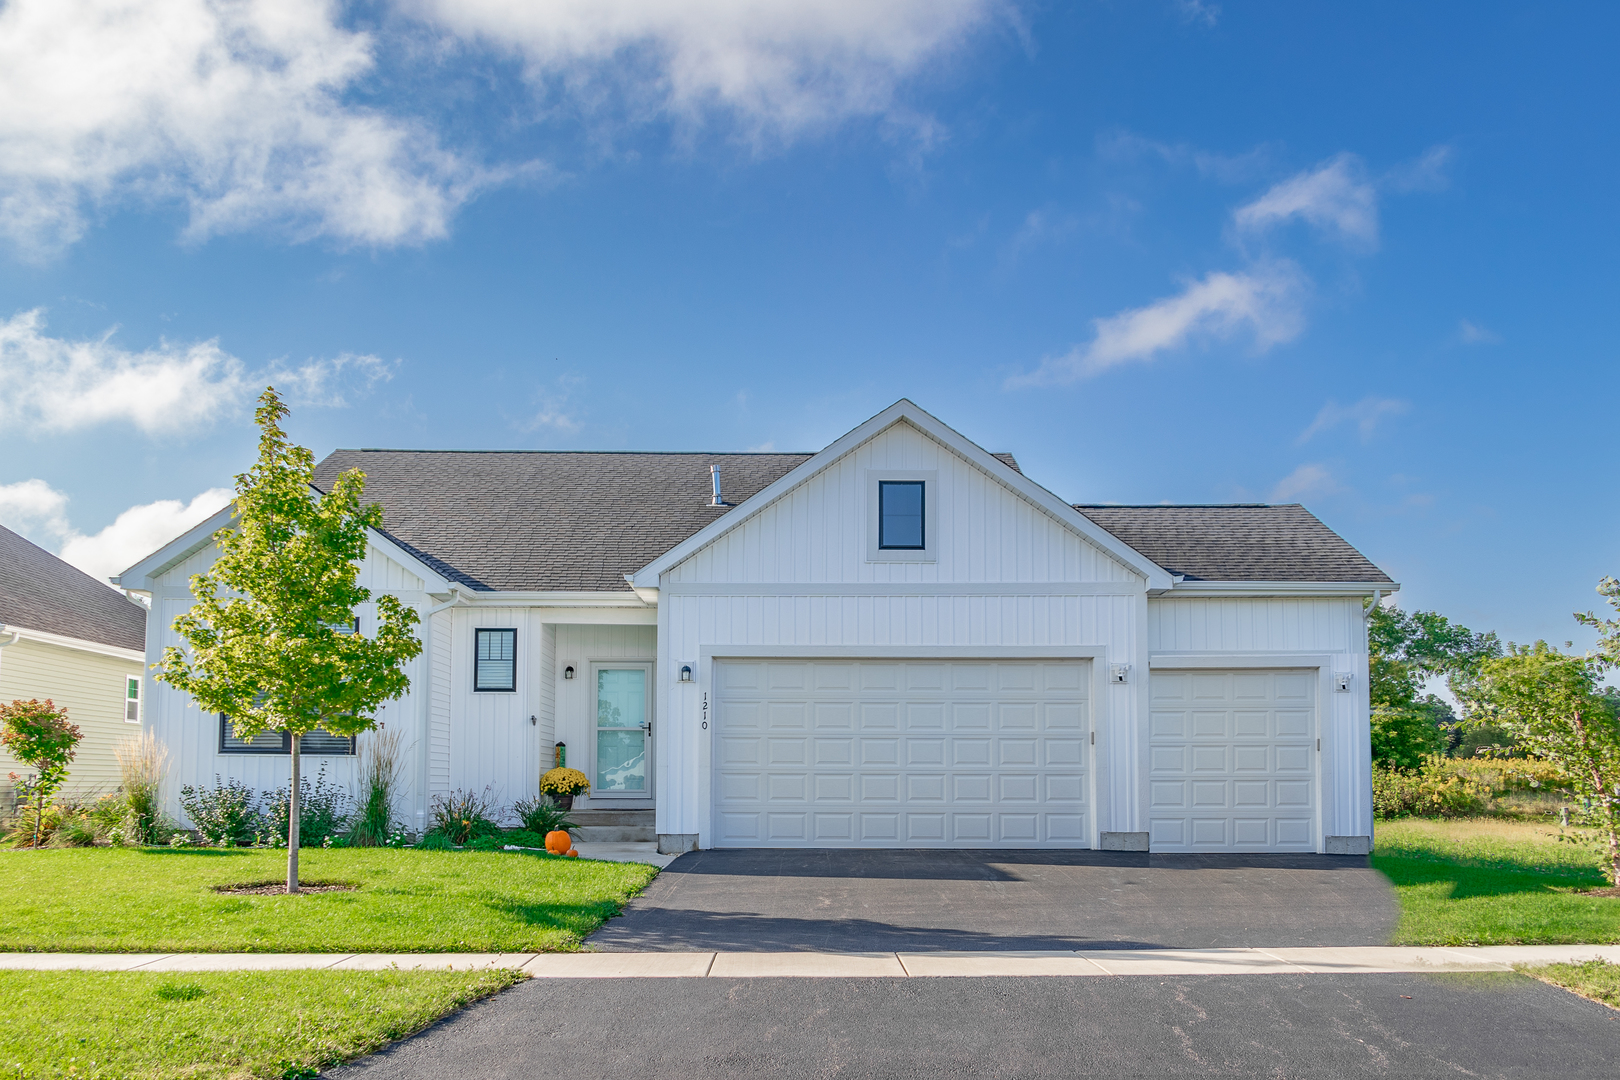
pixel 38 591
pixel 1248 542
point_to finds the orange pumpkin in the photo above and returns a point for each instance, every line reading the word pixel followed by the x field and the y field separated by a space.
pixel 572 854
pixel 559 842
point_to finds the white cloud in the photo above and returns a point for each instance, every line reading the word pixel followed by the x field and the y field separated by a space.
pixel 38 511
pixel 329 382
pixel 1265 303
pixel 552 407
pixel 779 67
pixel 34 509
pixel 1365 414
pixel 1199 11
pixel 766 447
pixel 1335 197
pixel 1473 334
pixel 53 384
pixel 1302 483
pixel 57 385
pixel 236 108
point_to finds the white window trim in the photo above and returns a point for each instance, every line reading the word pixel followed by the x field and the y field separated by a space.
pixel 139 699
pixel 932 497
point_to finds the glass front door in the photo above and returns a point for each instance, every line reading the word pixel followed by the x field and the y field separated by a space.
pixel 623 727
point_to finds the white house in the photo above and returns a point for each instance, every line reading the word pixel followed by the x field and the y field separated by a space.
pixel 900 641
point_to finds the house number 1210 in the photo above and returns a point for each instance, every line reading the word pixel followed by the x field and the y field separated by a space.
pixel 705 710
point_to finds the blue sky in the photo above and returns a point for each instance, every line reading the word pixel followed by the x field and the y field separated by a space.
pixel 1357 256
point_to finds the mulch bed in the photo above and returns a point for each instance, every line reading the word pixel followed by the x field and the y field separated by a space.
pixel 272 888
pixel 1608 891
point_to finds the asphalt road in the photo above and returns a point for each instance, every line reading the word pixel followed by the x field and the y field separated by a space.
pixel 1280 1026
pixel 772 900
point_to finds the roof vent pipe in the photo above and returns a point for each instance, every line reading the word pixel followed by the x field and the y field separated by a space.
pixel 714 476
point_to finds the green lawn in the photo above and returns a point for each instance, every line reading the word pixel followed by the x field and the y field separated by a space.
pixel 1493 882
pixel 217 1024
pixel 162 900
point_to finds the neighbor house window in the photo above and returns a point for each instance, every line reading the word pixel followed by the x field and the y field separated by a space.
pixel 132 699
pixel 900 515
pixel 495 661
pixel 279 742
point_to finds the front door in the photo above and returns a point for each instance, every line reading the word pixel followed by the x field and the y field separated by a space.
pixel 623 732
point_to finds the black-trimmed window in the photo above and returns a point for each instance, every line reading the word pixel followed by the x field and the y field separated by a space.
pixel 901 515
pixel 279 742
pixel 494 660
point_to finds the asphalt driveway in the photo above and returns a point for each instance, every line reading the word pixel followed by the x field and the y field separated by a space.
pixel 1318 1026
pixel 768 900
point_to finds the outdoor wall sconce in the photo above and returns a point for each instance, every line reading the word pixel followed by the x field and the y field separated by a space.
pixel 568 672
pixel 686 673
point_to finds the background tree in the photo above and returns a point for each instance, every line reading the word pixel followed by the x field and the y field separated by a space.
pixel 1406 650
pixel 38 734
pixel 270 641
pixel 1556 709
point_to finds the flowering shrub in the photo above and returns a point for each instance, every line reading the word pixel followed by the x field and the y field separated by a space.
pixel 464 815
pixel 564 781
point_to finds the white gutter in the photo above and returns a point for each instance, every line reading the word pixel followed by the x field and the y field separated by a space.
pixel 1280 588
pixel 16 636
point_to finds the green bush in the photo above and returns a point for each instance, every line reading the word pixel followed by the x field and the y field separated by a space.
pixel 525 838
pixel 541 815
pixel 435 841
pixel 1427 792
pixel 1402 738
pixel 225 815
pixel 323 812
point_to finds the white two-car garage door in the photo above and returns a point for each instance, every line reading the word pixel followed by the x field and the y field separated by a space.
pixel 849 753
pixel 1232 761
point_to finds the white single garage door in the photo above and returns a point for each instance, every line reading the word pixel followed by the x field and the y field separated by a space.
pixel 845 753
pixel 1232 761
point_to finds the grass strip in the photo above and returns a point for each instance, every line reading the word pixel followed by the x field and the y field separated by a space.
pixel 1493 882
pixel 1596 980
pixel 206 1025
pixel 164 900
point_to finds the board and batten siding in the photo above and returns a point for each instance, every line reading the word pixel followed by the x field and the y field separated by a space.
pixel 817 532
pixel 1309 626
pixel 192 735
pixel 795 576
pixel 91 686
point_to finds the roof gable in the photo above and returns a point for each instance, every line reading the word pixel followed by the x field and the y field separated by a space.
pixel 908 413
pixel 38 591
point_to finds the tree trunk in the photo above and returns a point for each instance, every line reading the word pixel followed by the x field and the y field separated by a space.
pixel 39 813
pixel 292 821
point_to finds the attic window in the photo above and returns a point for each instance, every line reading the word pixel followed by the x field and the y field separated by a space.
pixel 901 515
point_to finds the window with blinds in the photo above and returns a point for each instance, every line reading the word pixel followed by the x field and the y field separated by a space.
pixel 321 743
pixel 495 660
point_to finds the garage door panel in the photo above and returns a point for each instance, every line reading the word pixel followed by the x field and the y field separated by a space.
pixel 939 753
pixel 1234 769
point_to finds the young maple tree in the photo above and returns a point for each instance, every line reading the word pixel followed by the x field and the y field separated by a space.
pixel 269 642
pixel 37 733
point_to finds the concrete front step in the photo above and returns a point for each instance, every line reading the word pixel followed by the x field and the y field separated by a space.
pixel 613 826
pixel 614 834
pixel 589 818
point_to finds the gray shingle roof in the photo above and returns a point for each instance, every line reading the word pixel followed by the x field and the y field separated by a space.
pixel 38 591
pixel 1238 543
pixel 575 520
pixel 548 519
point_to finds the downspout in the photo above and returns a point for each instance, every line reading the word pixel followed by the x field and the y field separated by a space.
pixel 425 711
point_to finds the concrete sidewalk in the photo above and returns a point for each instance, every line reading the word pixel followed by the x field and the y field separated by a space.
pixel 822 965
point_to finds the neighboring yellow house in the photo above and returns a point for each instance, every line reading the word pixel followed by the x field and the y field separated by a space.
pixel 68 637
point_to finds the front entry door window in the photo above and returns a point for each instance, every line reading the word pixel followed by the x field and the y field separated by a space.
pixel 622 728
